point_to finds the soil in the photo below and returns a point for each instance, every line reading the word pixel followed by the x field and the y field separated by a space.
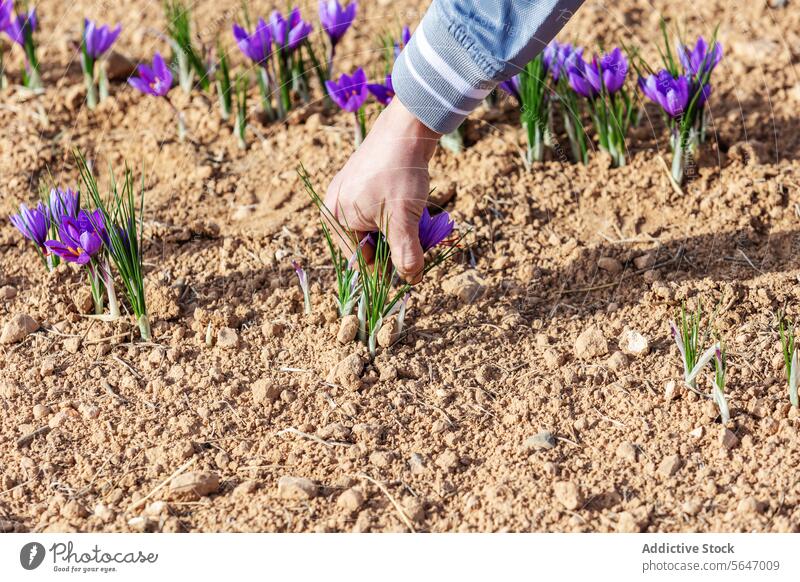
pixel 489 414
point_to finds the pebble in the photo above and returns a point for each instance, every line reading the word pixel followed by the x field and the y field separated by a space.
pixel 381 458
pixel 467 286
pixel 296 488
pixel 727 439
pixel 194 483
pixel 272 329
pixel 72 345
pixel 697 433
pixel 40 411
pixel 627 452
pixel 347 372
pixel 264 390
pixel 617 361
pixel 632 343
pixel 102 512
pixel 645 261
pixel 543 440
pixel 348 329
pixel 246 488
pixel 671 390
pixel 692 507
pixel 748 506
pixel 73 510
pixel 552 358
pixel 627 523
pixel 8 292
pixel 568 494
pixel 351 500
pixel 18 328
pixel 670 465
pixel 48 367
pixel 610 264
pixel 387 334
pixel 227 338
pixel 447 461
pixel 591 344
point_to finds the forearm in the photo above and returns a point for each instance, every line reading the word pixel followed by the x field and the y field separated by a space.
pixel 463 48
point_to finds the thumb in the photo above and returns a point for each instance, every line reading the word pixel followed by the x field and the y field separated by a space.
pixel 407 257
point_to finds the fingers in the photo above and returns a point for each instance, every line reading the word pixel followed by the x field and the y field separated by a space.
pixel 407 256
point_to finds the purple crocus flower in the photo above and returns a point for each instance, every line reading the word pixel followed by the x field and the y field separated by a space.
pixel 613 68
pixel 434 229
pixel 348 92
pixel 155 80
pixel 335 18
pixel 76 245
pixel 33 223
pixel 557 55
pixel 94 222
pixel 582 78
pixel 97 40
pixel 383 93
pixel 511 86
pixel 288 33
pixel 20 25
pixel 63 203
pixel 405 38
pixel 670 93
pixel 256 46
pixel 700 61
pixel 6 11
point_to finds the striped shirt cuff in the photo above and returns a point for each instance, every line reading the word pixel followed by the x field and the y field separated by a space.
pixel 436 78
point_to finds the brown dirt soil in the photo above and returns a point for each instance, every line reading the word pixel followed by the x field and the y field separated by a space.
pixel 432 433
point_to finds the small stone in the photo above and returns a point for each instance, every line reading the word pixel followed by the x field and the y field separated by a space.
pixel 40 411
pixel 416 463
pixel 72 345
pixel 48 367
pixel 348 372
pixel 102 512
pixel 671 391
pixel 645 261
pixel 73 510
pixel 351 500
pixel 89 411
pixel 617 361
pixel 568 494
pixel 348 328
pixel 227 338
pixel 662 290
pixel 591 344
pixel 18 328
pixel 83 301
pixel 387 334
pixel 692 507
pixel 552 358
pixel 627 452
pixel 609 264
pixel 632 343
pixel 543 440
pixel 447 461
pixel 728 439
pixel 748 506
pixel 155 509
pixel 627 523
pixel 298 488
pixel 272 329
pixel 246 488
pixel 467 286
pixel 194 484
pixel 7 292
pixel 697 433
pixel 265 390
pixel 381 459
pixel 670 465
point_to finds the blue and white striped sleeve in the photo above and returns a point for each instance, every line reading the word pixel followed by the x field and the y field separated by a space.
pixel 463 48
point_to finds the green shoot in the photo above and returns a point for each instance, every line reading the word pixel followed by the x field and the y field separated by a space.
pixel 787 334
pixel 720 372
pixel 179 31
pixel 535 105
pixel 240 123
pixel 223 83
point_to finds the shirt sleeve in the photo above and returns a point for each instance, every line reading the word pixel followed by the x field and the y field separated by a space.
pixel 463 48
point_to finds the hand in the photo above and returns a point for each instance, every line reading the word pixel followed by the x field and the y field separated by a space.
pixel 386 181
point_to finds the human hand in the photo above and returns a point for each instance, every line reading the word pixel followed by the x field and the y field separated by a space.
pixel 384 186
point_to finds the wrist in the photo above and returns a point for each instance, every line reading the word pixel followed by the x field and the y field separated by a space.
pixel 403 124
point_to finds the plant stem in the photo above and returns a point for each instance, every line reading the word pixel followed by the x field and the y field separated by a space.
pixel 91 90
pixel 144 327
pixel 108 281
pixel 266 97
pixel 102 84
pixel 359 130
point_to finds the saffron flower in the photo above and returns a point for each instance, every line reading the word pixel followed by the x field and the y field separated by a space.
pixel 288 33
pixel 33 223
pixel 382 92
pixel 350 93
pixel 155 80
pixel 670 93
pixel 63 204
pixel 19 26
pixel 20 29
pixel 700 61
pixel 336 19
pixel 303 279
pixel 405 38
pixel 612 70
pixel 256 46
pixel 77 244
pixel 98 39
pixel 511 86
pixel 6 13
pixel 557 55
pixel 580 78
pixel 434 229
